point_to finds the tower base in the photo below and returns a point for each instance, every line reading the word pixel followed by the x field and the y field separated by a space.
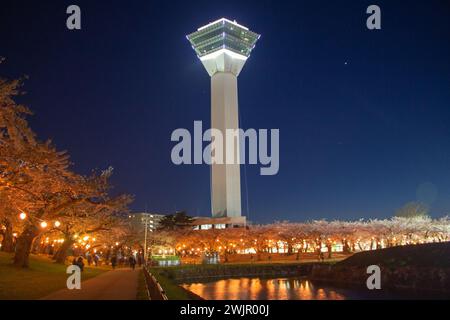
pixel 202 223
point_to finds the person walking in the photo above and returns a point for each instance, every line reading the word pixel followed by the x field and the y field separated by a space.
pixel 132 262
pixel 114 262
pixel 96 259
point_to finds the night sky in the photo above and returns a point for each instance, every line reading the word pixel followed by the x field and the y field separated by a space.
pixel 364 116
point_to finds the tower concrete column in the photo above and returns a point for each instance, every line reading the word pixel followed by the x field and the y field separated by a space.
pixel 223 46
pixel 226 177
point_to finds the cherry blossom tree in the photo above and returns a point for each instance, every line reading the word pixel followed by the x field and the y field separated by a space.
pixel 35 178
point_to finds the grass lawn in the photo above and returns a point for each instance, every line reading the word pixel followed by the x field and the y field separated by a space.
pixel 142 293
pixel 172 290
pixel 424 255
pixel 40 279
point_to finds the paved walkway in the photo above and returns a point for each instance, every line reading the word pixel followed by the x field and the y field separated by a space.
pixel 120 284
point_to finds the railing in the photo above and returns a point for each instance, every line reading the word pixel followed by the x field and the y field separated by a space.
pixel 154 289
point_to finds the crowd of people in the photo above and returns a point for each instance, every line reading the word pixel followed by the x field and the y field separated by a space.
pixel 115 261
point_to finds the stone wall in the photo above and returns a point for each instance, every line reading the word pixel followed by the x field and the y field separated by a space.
pixel 237 271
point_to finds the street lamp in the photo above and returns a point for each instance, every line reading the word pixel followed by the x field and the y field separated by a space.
pixel 44 224
pixel 22 216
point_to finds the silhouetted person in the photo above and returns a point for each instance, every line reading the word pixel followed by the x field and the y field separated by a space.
pixel 96 258
pixel 113 262
pixel 132 262
pixel 321 256
pixel 80 263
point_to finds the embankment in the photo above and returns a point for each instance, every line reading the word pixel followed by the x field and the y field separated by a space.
pixel 417 267
pixel 206 272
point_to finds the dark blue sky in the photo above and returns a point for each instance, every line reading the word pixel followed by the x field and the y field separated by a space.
pixel 356 140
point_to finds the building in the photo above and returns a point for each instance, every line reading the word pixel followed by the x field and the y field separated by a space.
pixel 202 223
pixel 223 46
pixel 151 218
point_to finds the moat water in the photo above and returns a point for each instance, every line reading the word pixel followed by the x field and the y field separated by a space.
pixel 287 289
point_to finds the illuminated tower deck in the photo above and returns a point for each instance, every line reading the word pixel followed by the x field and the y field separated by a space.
pixel 224 46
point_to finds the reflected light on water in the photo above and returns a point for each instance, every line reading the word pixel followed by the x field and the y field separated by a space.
pixel 263 289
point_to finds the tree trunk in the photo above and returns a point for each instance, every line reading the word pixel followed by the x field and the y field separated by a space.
pixel 23 246
pixel 330 254
pixel 360 247
pixel 8 239
pixel 290 249
pixel 346 247
pixel 258 255
pixel 36 247
pixel 61 254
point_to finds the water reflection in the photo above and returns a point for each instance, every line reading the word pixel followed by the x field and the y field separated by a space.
pixel 293 289
pixel 264 289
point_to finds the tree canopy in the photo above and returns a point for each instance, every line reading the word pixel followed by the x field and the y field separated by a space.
pixel 412 210
pixel 37 182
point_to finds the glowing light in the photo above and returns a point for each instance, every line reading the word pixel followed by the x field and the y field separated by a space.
pixel 86 238
pixel 22 216
pixel 44 224
pixel 217 53
pixel 57 224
